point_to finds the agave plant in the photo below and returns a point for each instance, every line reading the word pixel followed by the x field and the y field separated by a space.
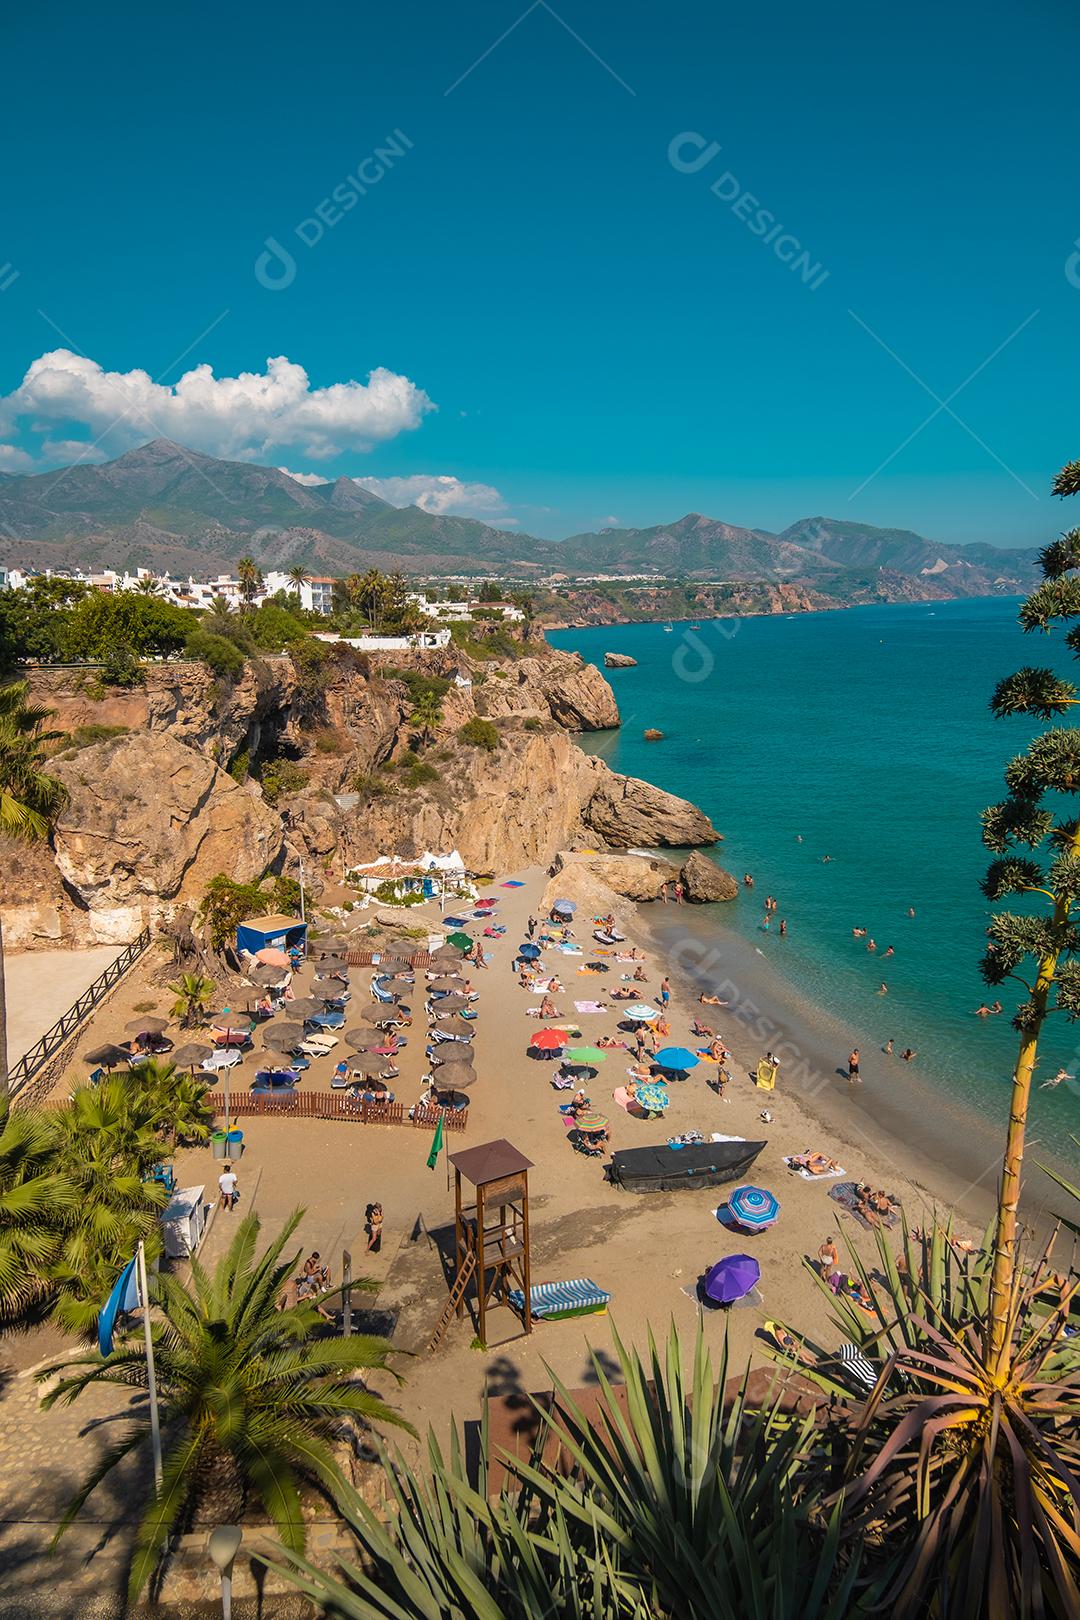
pixel 678 1505
pixel 972 1477
pixel 252 1397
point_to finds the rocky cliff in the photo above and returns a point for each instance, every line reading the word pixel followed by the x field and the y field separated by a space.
pixel 152 816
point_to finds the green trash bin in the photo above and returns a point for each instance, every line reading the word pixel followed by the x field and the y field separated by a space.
pixel 219 1145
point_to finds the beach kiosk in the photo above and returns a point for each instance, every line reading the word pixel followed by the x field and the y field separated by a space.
pixel 265 933
pixel 491 1230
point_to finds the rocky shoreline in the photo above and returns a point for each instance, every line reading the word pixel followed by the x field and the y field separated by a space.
pixel 165 791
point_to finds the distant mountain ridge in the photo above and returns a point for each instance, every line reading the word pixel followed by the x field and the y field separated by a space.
pixel 164 507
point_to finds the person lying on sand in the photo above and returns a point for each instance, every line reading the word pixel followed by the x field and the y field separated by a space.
pixel 623 995
pixel 786 1341
pixel 712 1001
pixel 702 1030
pixel 718 1050
pixel 608 1042
pixel 818 1164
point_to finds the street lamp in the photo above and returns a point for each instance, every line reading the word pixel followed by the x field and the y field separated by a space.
pixel 224 1546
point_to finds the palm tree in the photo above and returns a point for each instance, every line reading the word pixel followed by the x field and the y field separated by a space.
pixel 34 1200
pixel 298 576
pixel 249 578
pixel 427 715
pixel 252 1397
pixel 107 1143
pixel 175 1102
pixel 5 1077
pixel 194 994
pixel 30 798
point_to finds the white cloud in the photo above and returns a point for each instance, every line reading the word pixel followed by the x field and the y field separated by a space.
pixel 441 494
pixel 14 460
pixel 247 415
pixel 610 522
pixel 304 478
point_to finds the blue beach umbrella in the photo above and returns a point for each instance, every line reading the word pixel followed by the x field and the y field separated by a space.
pixel 676 1057
pixel 731 1278
pixel 754 1208
pixel 568 906
pixel 529 952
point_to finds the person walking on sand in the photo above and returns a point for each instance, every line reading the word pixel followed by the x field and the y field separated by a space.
pixel 373 1219
pixel 853 1066
pixel 531 926
pixel 665 993
pixel 230 1188
pixel 829 1260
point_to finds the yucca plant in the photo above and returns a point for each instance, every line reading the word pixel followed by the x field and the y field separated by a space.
pixel 252 1397
pixel 194 994
pixel 677 1507
pixel 972 1477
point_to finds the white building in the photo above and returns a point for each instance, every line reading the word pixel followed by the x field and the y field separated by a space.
pixel 459 612
pixel 421 641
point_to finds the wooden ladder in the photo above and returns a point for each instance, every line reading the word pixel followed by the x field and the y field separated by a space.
pixel 457 1294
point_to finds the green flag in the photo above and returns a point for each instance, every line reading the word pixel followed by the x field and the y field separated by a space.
pixel 436 1146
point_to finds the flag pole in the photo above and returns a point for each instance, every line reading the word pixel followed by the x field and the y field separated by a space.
pixel 151 1377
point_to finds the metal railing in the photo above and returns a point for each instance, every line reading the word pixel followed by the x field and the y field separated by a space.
pixel 61 1032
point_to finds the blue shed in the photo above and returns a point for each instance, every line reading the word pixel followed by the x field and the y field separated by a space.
pixel 259 933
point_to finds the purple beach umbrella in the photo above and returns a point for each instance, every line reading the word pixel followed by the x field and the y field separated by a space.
pixel 731 1278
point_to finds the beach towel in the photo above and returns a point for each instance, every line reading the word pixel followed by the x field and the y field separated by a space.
pixel 512 883
pixel 456 922
pixel 590 1006
pixel 766 1076
pixel 809 1175
pixel 846 1194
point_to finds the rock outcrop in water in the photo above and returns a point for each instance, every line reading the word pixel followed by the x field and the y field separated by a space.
pixel 619 661
pixel 627 813
pixel 704 881
pixel 631 876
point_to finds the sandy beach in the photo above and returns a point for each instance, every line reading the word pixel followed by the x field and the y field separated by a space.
pixel 647 1250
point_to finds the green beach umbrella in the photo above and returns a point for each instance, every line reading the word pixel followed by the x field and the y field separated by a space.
pixel 462 941
pixel 585 1054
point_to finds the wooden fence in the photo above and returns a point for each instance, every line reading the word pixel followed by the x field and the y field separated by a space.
pixel 338 1105
pixel 67 1026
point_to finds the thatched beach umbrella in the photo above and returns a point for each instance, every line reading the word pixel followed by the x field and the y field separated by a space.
pixel 364 1040
pixel 147 1025
pixel 449 1004
pixel 452 1053
pixel 191 1055
pixel 457 1079
pixel 447 981
pixel 305 1007
pixel 446 956
pixel 455 1025
pixel 371 1063
pixel 268 977
pixel 109 1055
pixel 283 1037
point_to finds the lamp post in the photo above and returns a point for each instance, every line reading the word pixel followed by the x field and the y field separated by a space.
pixel 223 1548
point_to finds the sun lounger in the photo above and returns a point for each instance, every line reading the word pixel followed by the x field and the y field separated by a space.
pixel 556 1301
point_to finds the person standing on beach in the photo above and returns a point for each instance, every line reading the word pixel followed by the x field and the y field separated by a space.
pixel 230 1188
pixel 373 1219
pixel 853 1066
pixel 665 993
pixel 531 926
pixel 829 1260
pixel 678 894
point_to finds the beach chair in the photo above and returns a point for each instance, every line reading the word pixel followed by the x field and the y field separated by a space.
pixel 555 1302
pixel 379 991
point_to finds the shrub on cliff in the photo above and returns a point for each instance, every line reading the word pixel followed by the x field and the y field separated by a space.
pixel 478 733
pixel 222 655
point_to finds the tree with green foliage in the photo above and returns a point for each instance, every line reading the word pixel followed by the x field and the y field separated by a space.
pixel 30 799
pixel 249 578
pixel 490 591
pixel 219 653
pixel 34 621
pixel 427 716
pixel 107 1142
pixel 34 1202
pixel 253 1398
pixel 194 997
pixel 480 733
pixel 1032 818
pixel 297 576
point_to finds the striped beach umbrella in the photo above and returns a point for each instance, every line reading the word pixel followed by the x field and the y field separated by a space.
pixel 589 1121
pixel 640 1013
pixel 653 1096
pixel 754 1208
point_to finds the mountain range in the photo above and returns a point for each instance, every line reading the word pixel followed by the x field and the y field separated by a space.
pixel 165 507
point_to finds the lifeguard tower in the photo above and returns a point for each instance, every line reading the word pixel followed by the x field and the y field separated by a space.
pixel 491 1232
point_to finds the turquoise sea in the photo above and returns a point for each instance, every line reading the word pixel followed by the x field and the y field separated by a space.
pixel 863 735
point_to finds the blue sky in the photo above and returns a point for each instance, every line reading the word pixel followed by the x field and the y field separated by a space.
pixel 566 327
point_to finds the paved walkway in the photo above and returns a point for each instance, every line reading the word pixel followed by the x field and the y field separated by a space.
pixel 42 985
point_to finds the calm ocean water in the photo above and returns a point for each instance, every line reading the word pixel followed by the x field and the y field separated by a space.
pixel 865 736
